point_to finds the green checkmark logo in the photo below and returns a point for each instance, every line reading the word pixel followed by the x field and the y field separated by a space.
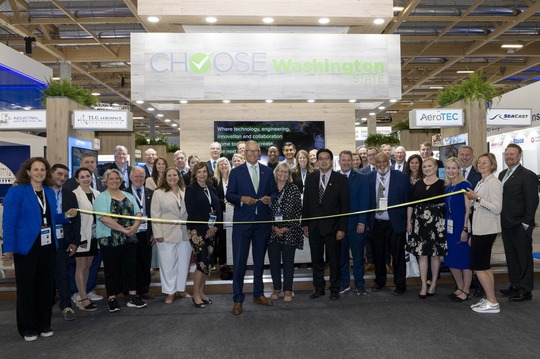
pixel 200 63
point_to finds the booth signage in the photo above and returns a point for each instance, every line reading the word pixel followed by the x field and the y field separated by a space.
pixel 168 67
pixel 436 118
pixel 361 133
pixel 511 117
pixel 102 120
pixel 23 120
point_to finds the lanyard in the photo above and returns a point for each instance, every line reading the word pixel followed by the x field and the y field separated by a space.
pixel 382 182
pixel 178 201
pixel 43 205
pixel 59 201
pixel 140 200
pixel 207 194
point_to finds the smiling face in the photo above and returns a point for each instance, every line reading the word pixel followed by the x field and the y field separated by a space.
pixel 150 156
pixel 356 161
pixel 511 156
pixel 425 151
pixel 180 160
pixel 137 177
pixel 302 160
pixel 282 174
pixel 465 156
pixel 224 167
pixel 289 152
pixel 414 165
pixel 201 175
pixel 484 165
pixel 452 170
pixel 273 154
pixel 237 161
pixel 399 154
pixel 345 162
pixel 194 160
pixel 313 156
pixel 172 178
pixel 325 161
pixel 429 168
pixel 382 163
pixel 37 172
pixel 114 181
pixel 252 152
pixel 161 166
pixel 120 157
pixel 89 162
pixel 215 150
pixel 60 177
pixel 84 179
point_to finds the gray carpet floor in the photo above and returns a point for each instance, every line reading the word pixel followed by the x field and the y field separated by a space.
pixel 378 325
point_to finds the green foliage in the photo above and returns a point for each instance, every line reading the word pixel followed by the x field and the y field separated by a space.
pixel 65 88
pixel 172 148
pixel 473 88
pixel 141 140
pixel 377 139
pixel 401 126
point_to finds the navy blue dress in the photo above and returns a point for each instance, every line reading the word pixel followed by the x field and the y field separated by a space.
pixel 459 253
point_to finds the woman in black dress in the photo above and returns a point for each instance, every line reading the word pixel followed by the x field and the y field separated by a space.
pixel 426 225
pixel 202 205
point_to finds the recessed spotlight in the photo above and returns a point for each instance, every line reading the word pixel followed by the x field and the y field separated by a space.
pixel 95 94
pixel 398 8
pixel 138 118
pixel 378 21
pixel 464 72
pixel 381 107
pixel 372 113
pixel 150 109
pixel 174 125
pixel 167 120
pixel 226 101
pixel 268 101
pixel 115 104
pixel 268 20
pixel 211 19
pixel 324 20
pixel 511 46
pixel 139 102
pixel 363 119
pixel 311 101
pixel 183 102
pixel 352 101
pixel 152 19
pixel 159 115
pixel 393 100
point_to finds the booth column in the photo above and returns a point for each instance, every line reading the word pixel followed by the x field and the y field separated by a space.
pixel 475 125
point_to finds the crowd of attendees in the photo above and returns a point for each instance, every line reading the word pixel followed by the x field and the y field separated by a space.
pixel 371 208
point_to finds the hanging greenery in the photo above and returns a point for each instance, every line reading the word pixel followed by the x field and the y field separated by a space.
pixel 65 88
pixel 473 88
pixel 377 139
pixel 141 140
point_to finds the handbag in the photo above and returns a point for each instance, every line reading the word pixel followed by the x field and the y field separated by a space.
pixel 412 265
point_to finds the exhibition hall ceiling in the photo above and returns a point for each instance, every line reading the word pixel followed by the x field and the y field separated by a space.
pixel 440 41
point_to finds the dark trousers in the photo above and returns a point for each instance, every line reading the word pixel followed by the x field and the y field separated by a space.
pixel 317 244
pixel 119 263
pixel 281 253
pixel 221 247
pixel 61 275
pixel 142 265
pixel 244 236
pixel 383 235
pixel 518 250
pixel 92 273
pixel 353 243
pixel 34 276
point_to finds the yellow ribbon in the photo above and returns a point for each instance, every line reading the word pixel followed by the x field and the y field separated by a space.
pixel 178 221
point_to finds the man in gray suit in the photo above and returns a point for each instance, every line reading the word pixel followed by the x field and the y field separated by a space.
pixel 520 200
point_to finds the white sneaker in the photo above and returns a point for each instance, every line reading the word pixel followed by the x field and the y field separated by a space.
pixel 93 296
pixel 487 307
pixel 30 338
pixel 47 333
pixel 481 302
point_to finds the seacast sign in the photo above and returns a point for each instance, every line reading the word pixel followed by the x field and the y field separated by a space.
pixel 436 118
pixel 102 120
pixel 511 117
pixel 261 66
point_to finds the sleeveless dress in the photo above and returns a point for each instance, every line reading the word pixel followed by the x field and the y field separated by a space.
pixel 459 253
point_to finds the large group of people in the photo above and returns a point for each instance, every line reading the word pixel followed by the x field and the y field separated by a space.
pixel 370 210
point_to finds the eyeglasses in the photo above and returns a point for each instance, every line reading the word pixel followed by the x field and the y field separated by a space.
pixel 282 171
pixel 324 158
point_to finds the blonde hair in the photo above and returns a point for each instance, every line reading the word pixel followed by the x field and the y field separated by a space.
pixel 448 181
pixel 217 172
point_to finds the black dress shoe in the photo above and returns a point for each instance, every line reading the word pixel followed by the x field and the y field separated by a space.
pixel 334 296
pixel 316 294
pixel 509 292
pixel 377 288
pixel 521 296
pixel 400 290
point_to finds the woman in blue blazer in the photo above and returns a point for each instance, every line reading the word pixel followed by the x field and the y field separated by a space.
pixel 30 239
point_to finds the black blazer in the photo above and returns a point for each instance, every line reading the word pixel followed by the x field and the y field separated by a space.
pixel 198 207
pixel 72 226
pixel 336 200
pixel 394 166
pixel 297 180
pixel 148 193
pixel 218 186
pixel 112 165
pixel 72 184
pixel 473 177
pixel 520 197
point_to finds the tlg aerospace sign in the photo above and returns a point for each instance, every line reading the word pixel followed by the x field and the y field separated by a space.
pixel 509 117
pixel 265 66
pixel 436 118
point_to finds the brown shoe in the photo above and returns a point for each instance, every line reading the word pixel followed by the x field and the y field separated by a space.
pixel 287 296
pixel 147 296
pixel 262 300
pixel 169 299
pixel 237 308
pixel 275 295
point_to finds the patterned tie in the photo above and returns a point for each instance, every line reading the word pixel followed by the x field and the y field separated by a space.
pixel 399 167
pixel 255 178
pixel 321 187
pixel 380 192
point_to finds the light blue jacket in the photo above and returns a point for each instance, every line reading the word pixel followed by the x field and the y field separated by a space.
pixel 103 204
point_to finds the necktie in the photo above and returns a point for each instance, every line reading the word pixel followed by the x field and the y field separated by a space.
pixel 214 165
pixel 255 178
pixel 93 183
pixel 183 172
pixel 507 175
pixel 464 173
pixel 399 167
pixel 139 192
pixel 321 188
pixel 380 191
pixel 139 198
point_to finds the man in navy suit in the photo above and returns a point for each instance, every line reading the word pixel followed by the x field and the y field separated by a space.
pixel 466 158
pixel 215 154
pixel 388 226
pixel 326 193
pixel 371 153
pixel 120 164
pixel 250 190
pixel 354 240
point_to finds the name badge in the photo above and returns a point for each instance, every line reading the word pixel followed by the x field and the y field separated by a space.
pixel 94 230
pixel 46 237
pixel 279 218
pixel 143 226
pixel 59 231
pixel 450 226
pixel 383 204
pixel 212 220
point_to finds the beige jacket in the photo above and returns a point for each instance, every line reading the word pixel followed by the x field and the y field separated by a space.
pixel 86 219
pixel 486 216
pixel 165 206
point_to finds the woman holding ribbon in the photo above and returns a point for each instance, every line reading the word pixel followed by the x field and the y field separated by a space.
pixel 202 205
pixel 458 258
pixel 287 236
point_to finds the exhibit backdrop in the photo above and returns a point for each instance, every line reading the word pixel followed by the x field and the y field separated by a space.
pixel 305 135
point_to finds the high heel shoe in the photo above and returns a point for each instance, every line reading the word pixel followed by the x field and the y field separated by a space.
pixel 207 301
pixel 198 305
pixel 422 296
pixel 431 294
pixel 90 307
pixel 458 299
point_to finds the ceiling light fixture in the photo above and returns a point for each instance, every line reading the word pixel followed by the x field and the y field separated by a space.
pixel 268 20
pixel 268 101
pixel 393 100
pixel 381 107
pixel 310 101
pixel 465 72
pixel 226 101
pixel 324 20
pixel 139 102
pixel 160 115
pixel 183 102
pixel 150 109
pixel 372 113
pixel 174 125
pixel 153 19
pixel 211 19
pixel 511 46
pixel 352 100
pixel 398 8
pixel 378 21
pixel 167 120
pixel 95 94
pixel 363 119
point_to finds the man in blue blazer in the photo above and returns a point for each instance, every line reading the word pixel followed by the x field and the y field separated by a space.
pixel 466 158
pixel 251 187
pixel 388 226
pixel 354 240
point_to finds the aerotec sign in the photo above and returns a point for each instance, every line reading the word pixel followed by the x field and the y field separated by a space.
pixel 262 66
pixel 436 118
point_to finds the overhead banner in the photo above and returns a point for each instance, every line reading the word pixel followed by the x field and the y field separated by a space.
pixel 96 120
pixel 511 117
pixel 436 118
pixel 23 120
pixel 170 67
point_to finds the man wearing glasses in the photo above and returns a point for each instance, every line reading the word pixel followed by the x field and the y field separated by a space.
pixel 371 153
pixel 326 193
pixel 251 187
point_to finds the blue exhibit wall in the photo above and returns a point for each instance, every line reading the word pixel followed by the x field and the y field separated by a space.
pixel 13 157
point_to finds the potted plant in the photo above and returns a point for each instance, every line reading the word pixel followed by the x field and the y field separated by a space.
pixel 65 88
pixel 377 139
pixel 473 88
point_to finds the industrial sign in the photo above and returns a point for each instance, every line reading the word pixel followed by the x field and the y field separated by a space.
pixel 23 120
